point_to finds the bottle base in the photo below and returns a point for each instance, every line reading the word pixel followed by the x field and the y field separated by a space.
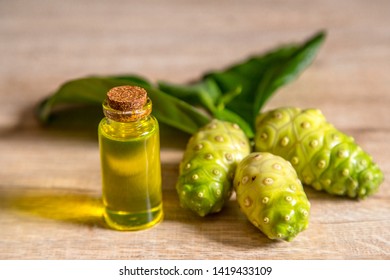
pixel 130 221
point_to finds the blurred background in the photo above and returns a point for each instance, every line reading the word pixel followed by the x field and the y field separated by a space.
pixel 179 40
pixel 45 43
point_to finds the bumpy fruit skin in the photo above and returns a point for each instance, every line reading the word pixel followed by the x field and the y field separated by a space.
pixel 271 195
pixel 323 157
pixel 207 169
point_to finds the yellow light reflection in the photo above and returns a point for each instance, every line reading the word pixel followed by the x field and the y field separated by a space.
pixel 61 205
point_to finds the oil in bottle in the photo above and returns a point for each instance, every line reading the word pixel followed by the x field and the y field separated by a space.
pixel 130 160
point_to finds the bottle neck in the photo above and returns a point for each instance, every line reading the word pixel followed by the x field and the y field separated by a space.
pixel 127 116
pixel 124 124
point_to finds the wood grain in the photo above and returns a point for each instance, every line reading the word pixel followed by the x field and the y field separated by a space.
pixel 50 183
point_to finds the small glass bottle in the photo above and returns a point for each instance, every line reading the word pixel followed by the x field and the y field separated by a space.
pixel 130 160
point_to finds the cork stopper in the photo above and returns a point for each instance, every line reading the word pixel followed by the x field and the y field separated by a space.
pixel 127 98
pixel 127 104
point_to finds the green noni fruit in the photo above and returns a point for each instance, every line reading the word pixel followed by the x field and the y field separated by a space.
pixel 271 196
pixel 323 157
pixel 207 169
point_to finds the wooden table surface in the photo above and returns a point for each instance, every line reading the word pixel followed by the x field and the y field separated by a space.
pixel 50 183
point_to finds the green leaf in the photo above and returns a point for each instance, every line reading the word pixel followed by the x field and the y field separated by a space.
pixel 261 76
pixel 280 74
pixel 228 97
pixel 204 93
pixel 227 115
pixel 175 112
pixel 93 90
pixel 90 90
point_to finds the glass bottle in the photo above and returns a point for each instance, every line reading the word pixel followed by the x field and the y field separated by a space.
pixel 130 160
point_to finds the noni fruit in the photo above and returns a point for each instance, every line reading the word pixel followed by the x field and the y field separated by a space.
pixel 207 169
pixel 323 157
pixel 271 196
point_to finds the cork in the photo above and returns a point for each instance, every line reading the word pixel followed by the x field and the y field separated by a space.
pixel 127 98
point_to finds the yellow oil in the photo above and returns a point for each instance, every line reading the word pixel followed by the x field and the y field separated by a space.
pixel 131 173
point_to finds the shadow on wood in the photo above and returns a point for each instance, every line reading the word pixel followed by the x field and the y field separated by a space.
pixel 59 205
pixel 229 226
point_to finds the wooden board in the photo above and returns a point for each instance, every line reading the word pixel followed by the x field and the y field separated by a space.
pixel 50 182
